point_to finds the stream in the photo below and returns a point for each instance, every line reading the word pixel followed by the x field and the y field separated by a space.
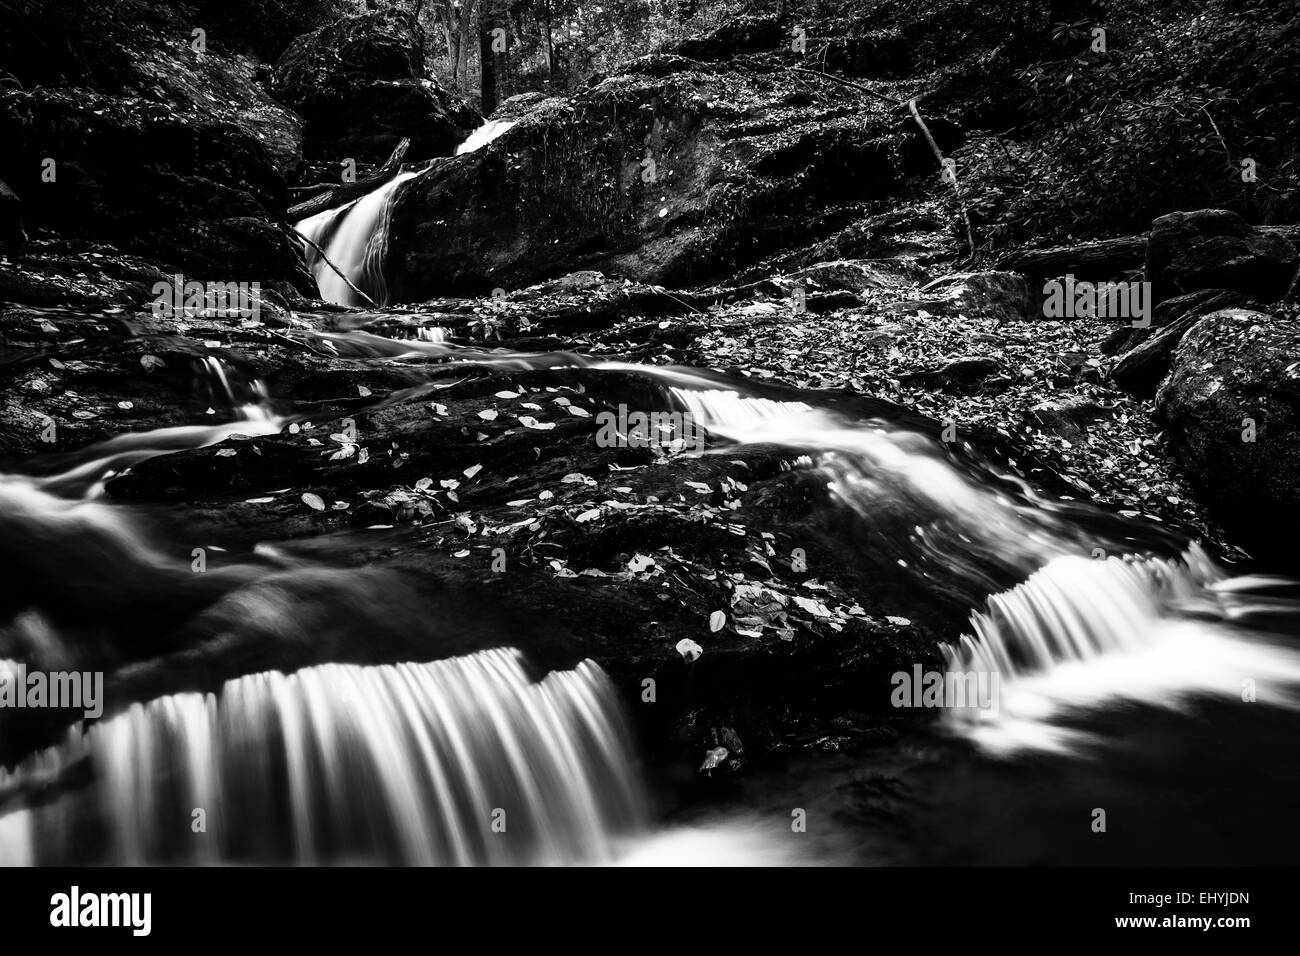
pixel 1156 687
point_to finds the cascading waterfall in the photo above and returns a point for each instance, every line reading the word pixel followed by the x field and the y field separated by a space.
pixel 247 402
pixel 355 236
pixel 355 239
pixel 1111 618
pixel 489 131
pixel 1083 632
pixel 461 761
pixel 413 762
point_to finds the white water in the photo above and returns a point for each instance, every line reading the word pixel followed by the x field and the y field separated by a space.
pixel 248 402
pixel 355 236
pixel 462 761
pixel 489 131
pixel 1083 634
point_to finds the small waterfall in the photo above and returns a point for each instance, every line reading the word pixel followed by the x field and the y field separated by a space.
pixel 1081 632
pixel 461 761
pixel 489 131
pixel 355 236
pixel 355 239
pixel 248 402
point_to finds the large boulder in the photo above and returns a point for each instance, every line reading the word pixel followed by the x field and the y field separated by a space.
pixel 665 177
pixel 1004 296
pixel 123 133
pixel 199 195
pixel 1146 361
pixel 1231 410
pixel 1217 249
pixel 361 86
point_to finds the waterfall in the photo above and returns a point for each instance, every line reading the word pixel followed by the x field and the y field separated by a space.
pixel 461 761
pixel 355 236
pixel 1083 632
pixel 489 131
pixel 247 403
pixel 355 239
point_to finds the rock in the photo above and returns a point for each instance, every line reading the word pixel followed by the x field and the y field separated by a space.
pixel 515 107
pixel 194 192
pixel 1065 418
pixel 1141 369
pixel 1203 301
pixel 12 236
pixel 970 369
pixel 571 186
pixel 161 153
pixel 1231 410
pixel 859 275
pixel 1217 249
pixel 1003 295
pixel 361 84
pixel 963 374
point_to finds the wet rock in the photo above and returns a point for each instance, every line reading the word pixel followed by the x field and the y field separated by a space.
pixel 1231 410
pixel 1217 249
pixel 361 84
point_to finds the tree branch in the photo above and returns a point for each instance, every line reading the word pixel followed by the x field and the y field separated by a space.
pixel 324 258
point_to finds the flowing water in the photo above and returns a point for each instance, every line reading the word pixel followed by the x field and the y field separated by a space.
pixel 1149 683
pixel 456 762
pixel 355 236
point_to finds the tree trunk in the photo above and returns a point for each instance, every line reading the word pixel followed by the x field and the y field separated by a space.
pixel 487 67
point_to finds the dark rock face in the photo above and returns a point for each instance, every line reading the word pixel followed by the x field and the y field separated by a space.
pixel 146 144
pixel 1231 408
pixel 199 196
pixel 659 178
pixel 12 235
pixel 1141 369
pixel 361 85
pixel 1217 249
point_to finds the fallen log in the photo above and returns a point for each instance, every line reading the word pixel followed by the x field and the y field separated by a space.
pixel 346 192
pixel 1100 259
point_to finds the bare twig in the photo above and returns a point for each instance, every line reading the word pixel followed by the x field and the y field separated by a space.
pixel 857 86
pixel 938 154
pixel 1222 142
